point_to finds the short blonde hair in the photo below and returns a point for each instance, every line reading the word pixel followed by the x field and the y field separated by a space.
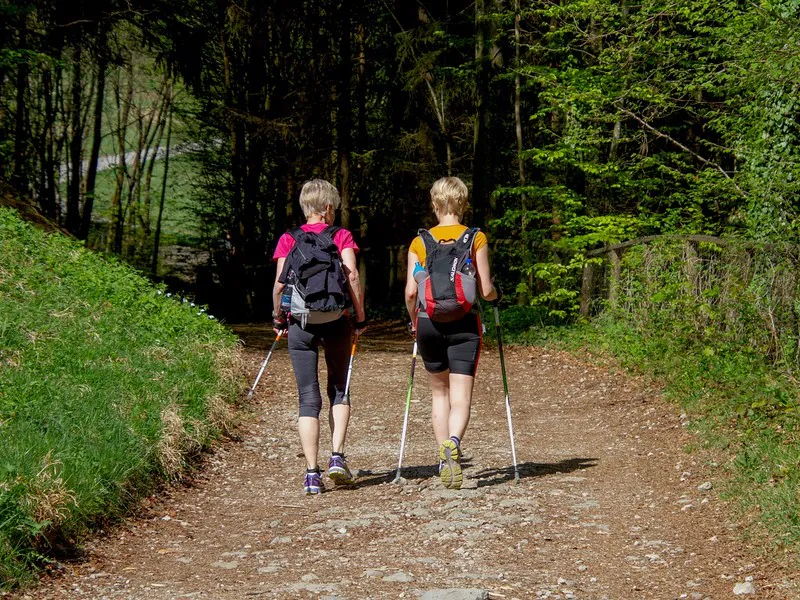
pixel 317 195
pixel 449 196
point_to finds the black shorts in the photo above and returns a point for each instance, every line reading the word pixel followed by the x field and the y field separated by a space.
pixel 455 345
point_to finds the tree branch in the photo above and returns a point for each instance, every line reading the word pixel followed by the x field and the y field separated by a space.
pixel 669 138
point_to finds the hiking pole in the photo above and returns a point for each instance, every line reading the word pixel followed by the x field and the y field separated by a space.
pixel 505 389
pixel 252 390
pixel 397 478
pixel 346 399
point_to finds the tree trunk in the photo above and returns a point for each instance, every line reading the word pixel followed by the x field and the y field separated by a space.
pixel 149 132
pixel 343 118
pixel 73 220
pixel 614 279
pixel 152 154
pixel 123 110
pixel 259 99
pixel 97 131
pixel 517 103
pixel 47 184
pixel 157 240
pixel 362 86
pixel 146 138
pixel 587 284
pixel 19 175
pixel 479 160
pixel 236 145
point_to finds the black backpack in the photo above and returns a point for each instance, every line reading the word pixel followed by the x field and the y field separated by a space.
pixel 447 293
pixel 315 273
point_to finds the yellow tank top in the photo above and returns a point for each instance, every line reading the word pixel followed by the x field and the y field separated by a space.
pixel 446 232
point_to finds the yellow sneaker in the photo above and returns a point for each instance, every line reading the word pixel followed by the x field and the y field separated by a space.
pixel 450 468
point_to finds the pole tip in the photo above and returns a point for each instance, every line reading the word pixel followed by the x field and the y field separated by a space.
pixel 399 480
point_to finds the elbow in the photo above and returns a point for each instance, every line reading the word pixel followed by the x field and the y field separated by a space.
pixel 354 280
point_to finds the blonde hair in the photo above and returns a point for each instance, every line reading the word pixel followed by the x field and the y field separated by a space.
pixel 449 196
pixel 317 195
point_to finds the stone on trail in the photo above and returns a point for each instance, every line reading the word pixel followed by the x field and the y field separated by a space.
pixel 744 589
pixel 399 577
pixel 455 594
pixel 375 572
pixel 704 487
pixel 285 539
pixel 269 569
pixel 221 564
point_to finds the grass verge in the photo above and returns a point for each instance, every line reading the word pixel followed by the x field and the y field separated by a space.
pixel 740 407
pixel 106 386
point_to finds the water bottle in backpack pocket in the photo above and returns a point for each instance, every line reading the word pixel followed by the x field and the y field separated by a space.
pixel 286 296
pixel 450 289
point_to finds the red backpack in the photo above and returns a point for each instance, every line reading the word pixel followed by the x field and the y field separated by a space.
pixel 449 289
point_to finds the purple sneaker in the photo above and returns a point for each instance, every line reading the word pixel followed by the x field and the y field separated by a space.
pixel 339 473
pixel 313 483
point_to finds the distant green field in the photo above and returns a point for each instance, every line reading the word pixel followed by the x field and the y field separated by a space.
pixel 106 385
pixel 180 223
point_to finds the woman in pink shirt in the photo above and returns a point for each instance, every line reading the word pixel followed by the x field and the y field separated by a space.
pixel 319 201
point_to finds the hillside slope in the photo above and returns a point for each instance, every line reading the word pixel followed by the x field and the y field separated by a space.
pixel 106 384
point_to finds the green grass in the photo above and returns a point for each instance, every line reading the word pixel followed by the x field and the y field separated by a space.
pixel 742 409
pixel 106 385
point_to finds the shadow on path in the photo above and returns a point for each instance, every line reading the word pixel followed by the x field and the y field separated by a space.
pixel 531 469
pixel 486 477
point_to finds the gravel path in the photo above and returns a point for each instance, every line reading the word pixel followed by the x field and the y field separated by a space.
pixel 609 504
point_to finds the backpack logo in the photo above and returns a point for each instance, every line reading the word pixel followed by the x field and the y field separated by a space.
pixel 315 273
pixel 447 293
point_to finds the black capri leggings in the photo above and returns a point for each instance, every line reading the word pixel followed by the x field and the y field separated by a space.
pixel 455 345
pixel 335 338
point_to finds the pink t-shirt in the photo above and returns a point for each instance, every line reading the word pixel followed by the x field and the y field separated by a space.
pixel 343 239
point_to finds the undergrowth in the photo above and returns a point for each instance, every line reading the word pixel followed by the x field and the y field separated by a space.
pixel 702 339
pixel 106 386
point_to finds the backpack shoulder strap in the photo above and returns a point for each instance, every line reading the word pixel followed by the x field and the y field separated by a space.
pixel 296 232
pixel 467 239
pixel 328 234
pixel 431 243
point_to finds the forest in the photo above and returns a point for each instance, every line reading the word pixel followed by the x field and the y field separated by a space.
pixel 179 131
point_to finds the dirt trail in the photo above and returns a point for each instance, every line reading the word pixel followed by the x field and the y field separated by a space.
pixel 608 504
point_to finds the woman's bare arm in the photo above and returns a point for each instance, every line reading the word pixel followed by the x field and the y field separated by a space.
pixel 488 291
pixel 354 282
pixel 411 289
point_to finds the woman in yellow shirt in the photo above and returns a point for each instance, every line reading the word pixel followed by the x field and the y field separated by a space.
pixel 449 340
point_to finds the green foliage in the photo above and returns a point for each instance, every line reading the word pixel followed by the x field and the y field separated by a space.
pixel 672 119
pixel 106 384
pixel 717 326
